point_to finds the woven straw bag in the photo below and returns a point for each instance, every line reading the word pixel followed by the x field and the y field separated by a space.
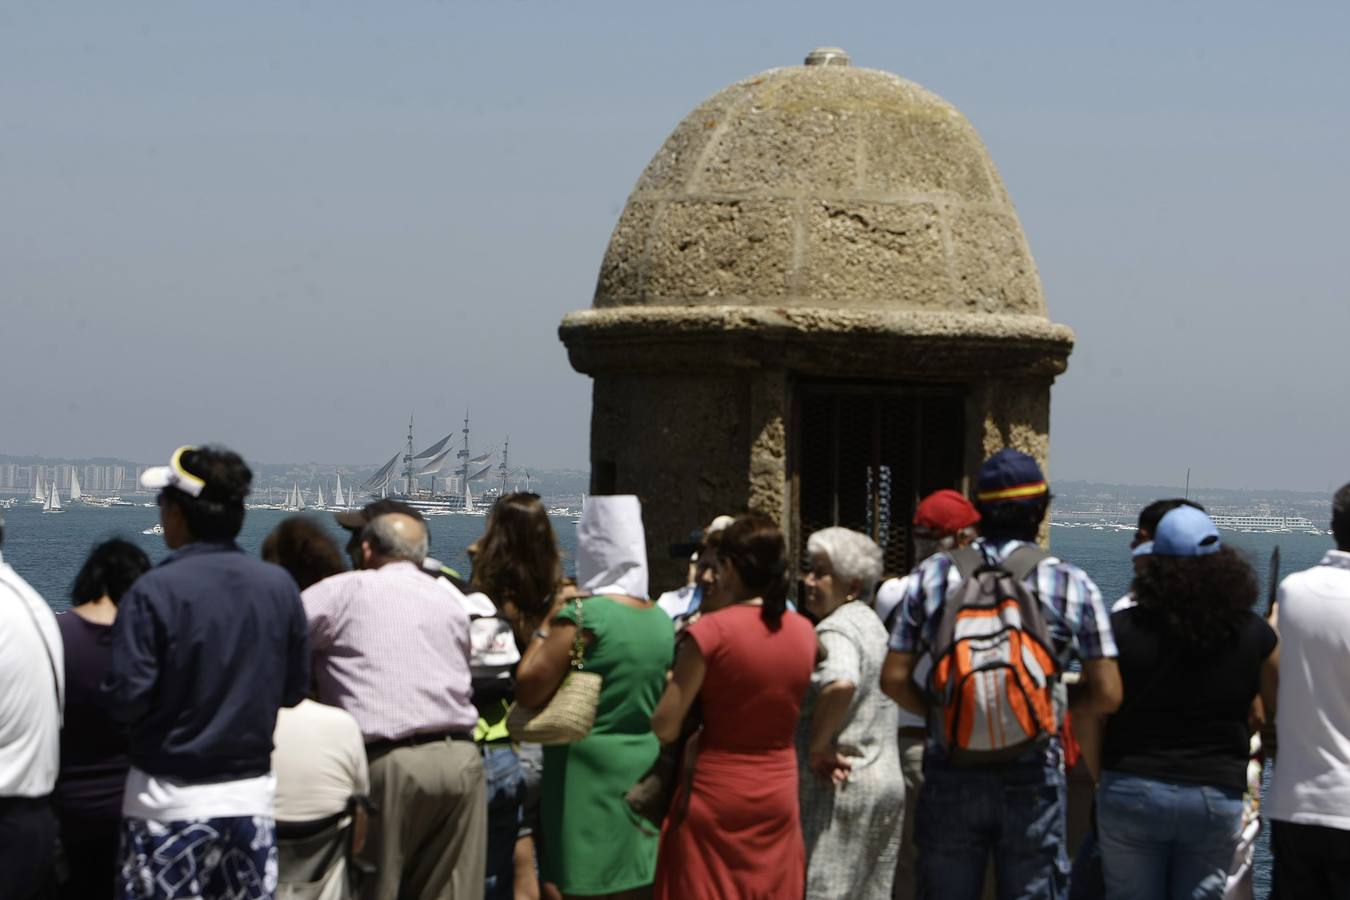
pixel 570 714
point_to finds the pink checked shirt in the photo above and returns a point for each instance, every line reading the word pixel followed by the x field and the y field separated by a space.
pixel 391 647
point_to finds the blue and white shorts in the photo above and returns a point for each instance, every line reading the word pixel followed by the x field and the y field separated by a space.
pixel 198 859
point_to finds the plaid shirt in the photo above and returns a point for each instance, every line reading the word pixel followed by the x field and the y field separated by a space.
pixel 1078 620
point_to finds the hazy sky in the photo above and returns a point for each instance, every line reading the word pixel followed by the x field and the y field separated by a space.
pixel 287 225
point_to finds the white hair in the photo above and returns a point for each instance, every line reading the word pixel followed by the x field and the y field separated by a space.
pixel 852 555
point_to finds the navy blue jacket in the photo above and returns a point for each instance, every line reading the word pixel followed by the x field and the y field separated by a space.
pixel 206 647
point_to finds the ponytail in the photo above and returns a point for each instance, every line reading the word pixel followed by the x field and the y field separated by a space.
pixel 755 546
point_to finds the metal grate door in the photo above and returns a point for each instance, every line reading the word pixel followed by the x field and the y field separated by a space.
pixel 866 453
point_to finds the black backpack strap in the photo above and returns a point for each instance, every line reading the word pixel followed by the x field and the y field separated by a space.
pixel 1022 561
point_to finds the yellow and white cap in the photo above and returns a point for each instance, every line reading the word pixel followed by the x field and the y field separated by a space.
pixel 173 475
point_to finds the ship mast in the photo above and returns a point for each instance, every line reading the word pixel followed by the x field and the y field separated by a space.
pixel 408 459
pixel 503 470
pixel 463 456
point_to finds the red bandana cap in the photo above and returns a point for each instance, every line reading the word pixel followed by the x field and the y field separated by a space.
pixel 945 512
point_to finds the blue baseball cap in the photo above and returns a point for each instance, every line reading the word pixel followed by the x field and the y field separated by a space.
pixel 1010 476
pixel 1185 531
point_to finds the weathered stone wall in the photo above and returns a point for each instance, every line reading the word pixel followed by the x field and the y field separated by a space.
pixel 817 222
pixel 829 187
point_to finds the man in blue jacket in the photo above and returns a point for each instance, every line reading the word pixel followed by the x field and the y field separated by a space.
pixel 206 647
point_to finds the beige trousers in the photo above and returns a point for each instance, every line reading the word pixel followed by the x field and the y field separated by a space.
pixel 429 835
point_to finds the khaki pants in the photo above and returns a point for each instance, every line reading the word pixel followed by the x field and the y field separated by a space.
pixel 429 838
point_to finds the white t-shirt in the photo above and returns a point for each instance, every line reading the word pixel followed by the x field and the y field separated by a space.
pixel 32 676
pixel 163 799
pixel 888 597
pixel 1311 784
pixel 319 762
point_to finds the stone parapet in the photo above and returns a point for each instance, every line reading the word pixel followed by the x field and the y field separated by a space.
pixel 876 343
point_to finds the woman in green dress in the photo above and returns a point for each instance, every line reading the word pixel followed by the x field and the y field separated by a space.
pixel 592 844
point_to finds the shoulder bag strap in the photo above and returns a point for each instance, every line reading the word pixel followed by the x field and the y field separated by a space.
pixel 42 639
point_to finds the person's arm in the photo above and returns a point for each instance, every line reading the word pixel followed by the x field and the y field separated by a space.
pixel 686 679
pixel 1099 690
pixel 133 677
pixel 545 662
pixel 897 682
pixel 1089 730
pixel 831 709
pixel 1270 685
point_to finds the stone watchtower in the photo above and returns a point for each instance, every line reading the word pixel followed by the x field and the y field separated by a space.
pixel 818 304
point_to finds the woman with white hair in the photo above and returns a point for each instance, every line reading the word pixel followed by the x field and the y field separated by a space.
pixel 591 845
pixel 852 795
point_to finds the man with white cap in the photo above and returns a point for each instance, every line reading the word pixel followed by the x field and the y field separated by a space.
pixel 206 648
pixel 31 690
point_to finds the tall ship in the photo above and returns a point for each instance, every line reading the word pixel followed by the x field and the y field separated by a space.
pixel 442 479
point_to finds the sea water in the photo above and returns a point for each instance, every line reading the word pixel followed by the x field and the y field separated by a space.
pixel 48 551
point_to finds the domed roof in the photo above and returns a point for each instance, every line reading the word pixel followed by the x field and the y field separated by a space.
pixel 824 186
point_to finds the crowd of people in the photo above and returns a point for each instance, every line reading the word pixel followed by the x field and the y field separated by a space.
pixel 306 725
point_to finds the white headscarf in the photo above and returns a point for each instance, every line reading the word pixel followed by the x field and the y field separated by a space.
pixel 612 546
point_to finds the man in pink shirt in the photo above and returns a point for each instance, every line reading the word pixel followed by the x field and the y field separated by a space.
pixel 391 647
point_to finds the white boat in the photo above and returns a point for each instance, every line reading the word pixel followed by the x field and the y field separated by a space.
pixel 53 501
pixel 74 486
pixel 156 528
pixel 39 494
pixel 339 502
pixel 320 504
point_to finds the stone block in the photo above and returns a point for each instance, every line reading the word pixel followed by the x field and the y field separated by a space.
pixel 927 150
pixel 993 269
pixel 871 254
pixel 772 151
pixel 713 251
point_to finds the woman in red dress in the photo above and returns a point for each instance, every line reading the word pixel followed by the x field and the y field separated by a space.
pixel 748 660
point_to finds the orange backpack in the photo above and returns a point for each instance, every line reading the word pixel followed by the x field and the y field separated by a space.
pixel 995 676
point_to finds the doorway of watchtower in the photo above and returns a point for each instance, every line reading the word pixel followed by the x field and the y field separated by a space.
pixel 864 454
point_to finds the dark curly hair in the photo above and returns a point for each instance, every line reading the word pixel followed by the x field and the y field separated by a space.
pixel 303 548
pixel 755 547
pixel 517 559
pixel 218 513
pixel 111 568
pixel 1201 600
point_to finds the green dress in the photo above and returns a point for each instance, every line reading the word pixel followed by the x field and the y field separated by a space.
pixel 591 842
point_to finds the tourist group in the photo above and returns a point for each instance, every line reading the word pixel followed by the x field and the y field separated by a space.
pixel 225 727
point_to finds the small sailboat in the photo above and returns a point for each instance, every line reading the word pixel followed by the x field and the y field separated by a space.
pixel 320 504
pixel 52 504
pixel 39 494
pixel 339 502
pixel 74 486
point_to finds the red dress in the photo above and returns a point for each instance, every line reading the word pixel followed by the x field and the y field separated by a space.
pixel 741 835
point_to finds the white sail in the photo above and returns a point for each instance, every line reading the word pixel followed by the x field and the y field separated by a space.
pixel 435 448
pixel 321 504
pixel 439 466
pixel 380 480
pixel 74 486
pixel 299 498
pixel 39 494
pixel 53 499
pixel 468 497
pixel 338 500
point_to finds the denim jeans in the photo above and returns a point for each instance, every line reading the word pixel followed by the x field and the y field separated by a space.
pixel 502 769
pixel 1165 840
pixel 1015 812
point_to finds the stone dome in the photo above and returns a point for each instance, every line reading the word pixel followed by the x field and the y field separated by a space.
pixel 823 186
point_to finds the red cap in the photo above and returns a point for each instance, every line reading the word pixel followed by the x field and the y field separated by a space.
pixel 945 512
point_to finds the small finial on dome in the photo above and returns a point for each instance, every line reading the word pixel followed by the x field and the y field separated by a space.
pixel 827 56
